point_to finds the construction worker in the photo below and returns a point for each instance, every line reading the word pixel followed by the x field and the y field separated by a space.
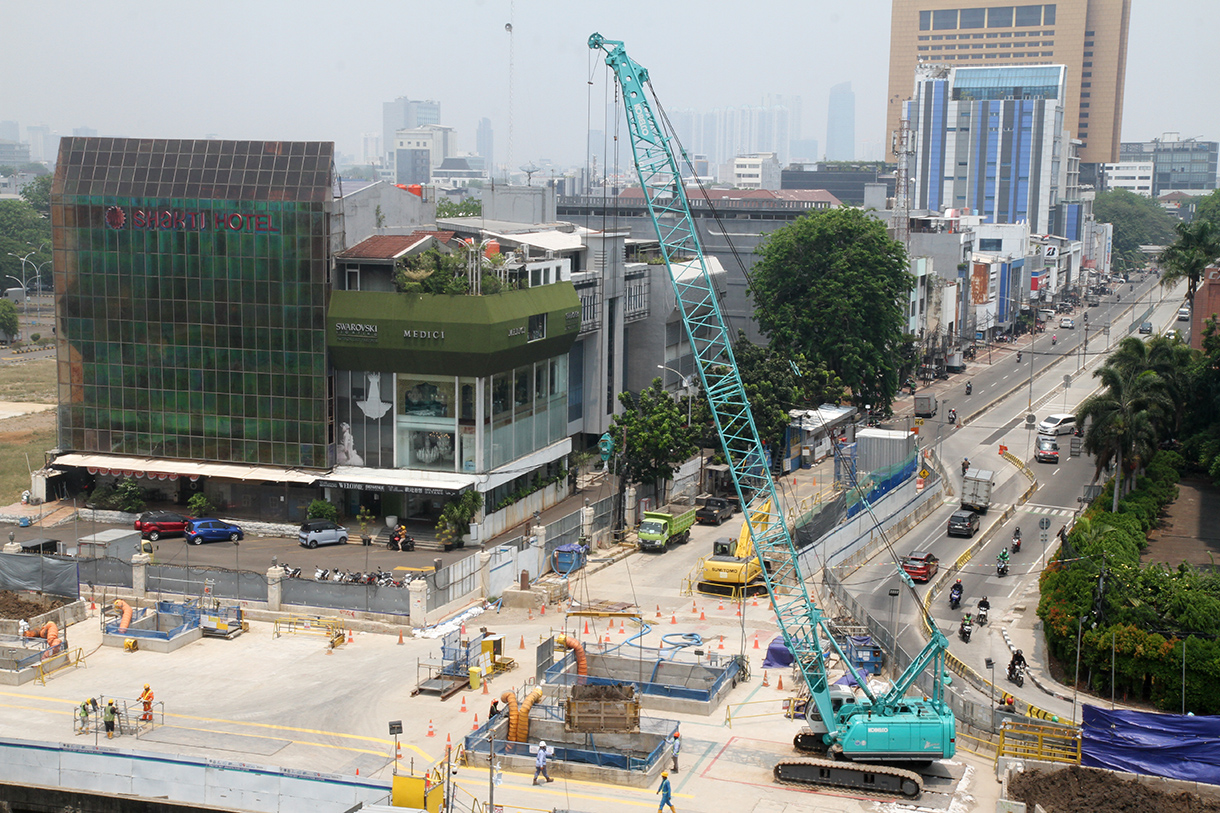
pixel 108 716
pixel 146 697
pixel 666 794
pixel 83 713
pixel 493 711
pixel 677 748
pixel 540 764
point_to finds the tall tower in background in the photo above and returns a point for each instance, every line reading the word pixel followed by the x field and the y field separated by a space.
pixel 1088 36
pixel 841 124
pixel 484 145
pixel 406 114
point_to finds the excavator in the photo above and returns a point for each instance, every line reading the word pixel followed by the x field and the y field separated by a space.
pixel 733 570
pixel 872 743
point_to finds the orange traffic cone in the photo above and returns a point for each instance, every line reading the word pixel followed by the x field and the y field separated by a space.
pixel 543 610
pixel 92 605
pixel 766 679
pixel 780 685
pixel 739 611
pixel 475 727
pixel 702 617
pixel 485 685
pixel 531 615
pixel 586 626
pixel 756 640
pixel 397 751
pixel 431 730
pixel 693 607
pixel 448 740
pixel 463 708
pixel 754 603
pixel 621 629
pixel 721 642
pixel 400 637
pixel 607 639
pixel 673 619
pixel 721 607
pixel 463 629
pixel 350 639
pixel 523 642
pixel 659 611
pixel 357 772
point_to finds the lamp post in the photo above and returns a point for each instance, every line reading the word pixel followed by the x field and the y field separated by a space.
pixel 688 383
pixel 24 285
pixel 990 664
pixel 894 594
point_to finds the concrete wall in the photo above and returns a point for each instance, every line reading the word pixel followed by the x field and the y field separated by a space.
pixel 112 771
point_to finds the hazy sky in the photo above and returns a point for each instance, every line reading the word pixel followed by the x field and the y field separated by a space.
pixel 306 69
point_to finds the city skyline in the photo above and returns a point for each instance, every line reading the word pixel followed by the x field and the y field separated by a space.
pixel 266 86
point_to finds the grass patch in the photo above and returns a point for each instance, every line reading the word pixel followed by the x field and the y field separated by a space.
pixel 25 435
pixel 32 380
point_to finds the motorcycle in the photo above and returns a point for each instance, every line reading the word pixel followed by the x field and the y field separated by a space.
pixel 964 630
pixel 400 540
pixel 965 467
pixel 290 572
pixel 1018 357
pixel 1054 340
pixel 1001 567
pixel 321 574
pixel 953 416
pixel 955 597
pixel 981 616
pixel 1016 541
pixel 1016 675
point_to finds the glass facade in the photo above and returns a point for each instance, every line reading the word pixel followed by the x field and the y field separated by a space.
pixel 191 289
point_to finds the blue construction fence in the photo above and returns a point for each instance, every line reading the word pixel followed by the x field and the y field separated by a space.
pixel 182 617
pixel 657 674
pixel 876 484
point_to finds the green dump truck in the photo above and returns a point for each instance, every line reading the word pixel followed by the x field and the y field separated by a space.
pixel 670 523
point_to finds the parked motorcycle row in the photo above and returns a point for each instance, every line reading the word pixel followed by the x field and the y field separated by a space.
pixel 380 578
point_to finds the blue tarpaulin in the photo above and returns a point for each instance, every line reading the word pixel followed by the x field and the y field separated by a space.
pixel 1170 745
pixel 778 655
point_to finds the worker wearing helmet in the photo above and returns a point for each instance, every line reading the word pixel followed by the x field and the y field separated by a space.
pixel 83 713
pixel 666 794
pixel 677 747
pixel 108 716
pixel 540 764
pixel 146 697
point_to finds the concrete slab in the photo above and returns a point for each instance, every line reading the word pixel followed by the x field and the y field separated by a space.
pixel 213 740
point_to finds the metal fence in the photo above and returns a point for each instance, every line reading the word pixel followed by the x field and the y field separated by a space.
pixel 369 598
pixel 39 573
pixel 453 581
pixel 104 572
pixel 241 585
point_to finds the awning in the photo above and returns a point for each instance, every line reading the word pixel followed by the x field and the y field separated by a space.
pixel 356 478
pixel 160 469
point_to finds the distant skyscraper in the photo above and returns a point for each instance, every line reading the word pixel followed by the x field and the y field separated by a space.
pixel 805 150
pixel 43 146
pixel 371 143
pixel 9 131
pixel 485 145
pixel 84 132
pixel 406 114
pixel 841 124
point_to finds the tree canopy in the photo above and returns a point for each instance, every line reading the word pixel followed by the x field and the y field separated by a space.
pixel 833 286
pixel 1208 208
pixel 470 207
pixel 22 230
pixel 1196 246
pixel 651 436
pixel 37 193
pixel 1137 221
pixel 9 324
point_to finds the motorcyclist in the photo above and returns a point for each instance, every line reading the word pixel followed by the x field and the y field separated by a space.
pixel 1054 338
pixel 965 465
pixel 984 605
pixel 953 416
pixel 1018 357
pixel 967 624
pixel 955 592
pixel 969 387
pixel 1017 662
pixel 1003 556
pixel 1016 540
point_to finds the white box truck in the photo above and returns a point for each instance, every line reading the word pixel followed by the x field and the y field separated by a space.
pixel 976 489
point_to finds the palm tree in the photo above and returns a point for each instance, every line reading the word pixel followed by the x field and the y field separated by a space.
pixel 1196 247
pixel 1121 420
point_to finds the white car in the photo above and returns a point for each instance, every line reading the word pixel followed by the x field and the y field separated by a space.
pixel 1062 423
pixel 1067 322
pixel 322 532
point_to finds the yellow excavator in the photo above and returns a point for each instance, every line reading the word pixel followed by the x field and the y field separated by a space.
pixel 733 569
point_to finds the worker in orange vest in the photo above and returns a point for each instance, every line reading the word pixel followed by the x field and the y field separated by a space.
pixel 146 697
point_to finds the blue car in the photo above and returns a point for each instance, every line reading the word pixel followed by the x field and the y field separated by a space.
pixel 199 531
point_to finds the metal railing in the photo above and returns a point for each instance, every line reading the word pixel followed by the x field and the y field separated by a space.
pixel 1039 742
pixel 75 658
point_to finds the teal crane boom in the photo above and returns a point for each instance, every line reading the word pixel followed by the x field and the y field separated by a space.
pixel 890 729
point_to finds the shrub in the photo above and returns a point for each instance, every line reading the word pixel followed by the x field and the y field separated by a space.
pixel 321 509
pixel 34 337
pixel 199 505
pixel 128 496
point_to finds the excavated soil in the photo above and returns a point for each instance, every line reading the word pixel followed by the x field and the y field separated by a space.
pixel 13 606
pixel 1085 790
pixel 619 691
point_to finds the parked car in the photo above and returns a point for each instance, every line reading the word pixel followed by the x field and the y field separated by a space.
pixel 1064 307
pixel 963 523
pixel 921 566
pixel 322 532
pixel 1063 423
pixel 1068 323
pixel 199 531
pixel 156 524
pixel 1146 328
pixel 1047 450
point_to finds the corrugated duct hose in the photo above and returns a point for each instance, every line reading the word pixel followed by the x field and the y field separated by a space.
pixel 523 715
pixel 124 608
pixel 578 649
pixel 509 699
pixel 48 631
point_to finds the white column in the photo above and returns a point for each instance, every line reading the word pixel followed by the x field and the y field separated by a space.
pixel 139 574
pixel 275 577
pixel 419 603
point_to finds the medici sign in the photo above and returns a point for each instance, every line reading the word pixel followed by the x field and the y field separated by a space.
pixel 132 217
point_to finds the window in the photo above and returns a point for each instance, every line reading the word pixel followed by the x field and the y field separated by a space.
pixel 944 19
pixel 972 18
pixel 1088 53
pixel 353 279
pixel 1029 15
pixel 537 327
pixel 1088 65
pixel 1084 115
pixel 1086 85
pixel 1048 14
pixel 991 244
pixel 1087 74
pixel 1085 95
pixel 1084 104
pixel 999 17
pixel 925 20
pixel 1088 33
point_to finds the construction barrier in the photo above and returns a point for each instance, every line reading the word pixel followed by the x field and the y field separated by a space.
pixel 1043 743
pixel 52 666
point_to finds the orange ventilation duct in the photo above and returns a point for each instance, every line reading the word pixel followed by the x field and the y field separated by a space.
pixel 124 608
pixel 509 699
pixel 578 649
pixel 523 715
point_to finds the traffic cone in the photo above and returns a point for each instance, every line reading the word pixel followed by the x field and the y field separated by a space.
pixel 398 751
pixel 739 611
pixel 693 608
pixel 463 629
pixel 463 708
pixel 673 619
pixel 400 637
pixel 431 730
pixel 756 640
pixel 475 727
pixel 754 603
pixel 531 615
pixel 485 685
pixel 721 607
pixel 448 740
pixel 766 679
pixel 607 639
pixel 780 686
pixel 357 772
pixel 721 642
pixel 702 617
pixel 523 642
pixel 543 610
pixel 92 605
pixel 621 629
pixel 586 626
pixel 350 639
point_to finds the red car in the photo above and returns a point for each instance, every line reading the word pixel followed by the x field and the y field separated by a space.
pixel 921 566
pixel 156 524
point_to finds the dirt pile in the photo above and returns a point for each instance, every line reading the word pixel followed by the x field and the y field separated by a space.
pixel 1085 790
pixel 13 606
pixel 589 691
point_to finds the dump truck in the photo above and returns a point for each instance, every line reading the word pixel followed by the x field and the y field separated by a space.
pixel 715 510
pixel 925 406
pixel 976 489
pixel 670 523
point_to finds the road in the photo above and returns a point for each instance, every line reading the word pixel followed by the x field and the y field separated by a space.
pixel 996 412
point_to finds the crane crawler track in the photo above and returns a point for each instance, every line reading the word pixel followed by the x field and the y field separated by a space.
pixel 880 780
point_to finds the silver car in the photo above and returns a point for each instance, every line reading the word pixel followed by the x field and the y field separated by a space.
pixel 322 532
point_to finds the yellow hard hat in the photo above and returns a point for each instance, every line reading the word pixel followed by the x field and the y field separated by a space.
pixel 664 774
pixel 110 702
pixel 145 685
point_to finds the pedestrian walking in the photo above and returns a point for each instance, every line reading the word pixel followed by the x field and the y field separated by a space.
pixel 666 794
pixel 146 697
pixel 108 717
pixel 540 764
pixel 83 713
pixel 677 748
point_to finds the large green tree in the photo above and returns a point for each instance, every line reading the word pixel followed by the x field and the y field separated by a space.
pixel 22 230
pixel 833 286
pixel 1196 247
pixel 37 193
pixel 1207 208
pixel 1137 221
pixel 9 324
pixel 651 436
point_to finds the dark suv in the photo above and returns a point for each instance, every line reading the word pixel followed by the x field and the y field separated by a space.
pixel 963 523
pixel 156 524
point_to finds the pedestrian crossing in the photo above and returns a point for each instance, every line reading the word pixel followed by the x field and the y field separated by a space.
pixel 1042 510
